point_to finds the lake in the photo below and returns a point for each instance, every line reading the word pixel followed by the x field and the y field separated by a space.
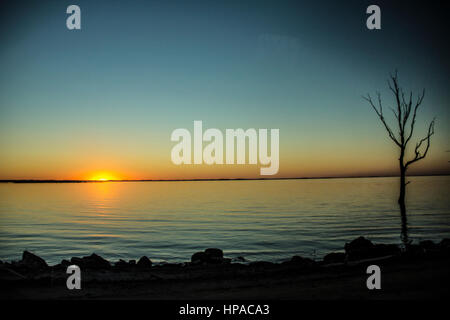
pixel 169 221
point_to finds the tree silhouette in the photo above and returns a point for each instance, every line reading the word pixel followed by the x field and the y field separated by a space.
pixel 405 115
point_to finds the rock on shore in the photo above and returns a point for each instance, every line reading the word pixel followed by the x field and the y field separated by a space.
pixel 362 248
pixel 32 266
pixel 209 256
pixel 32 261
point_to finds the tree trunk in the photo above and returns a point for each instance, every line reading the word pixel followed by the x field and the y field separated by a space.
pixel 402 204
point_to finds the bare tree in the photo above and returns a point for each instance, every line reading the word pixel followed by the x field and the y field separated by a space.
pixel 405 115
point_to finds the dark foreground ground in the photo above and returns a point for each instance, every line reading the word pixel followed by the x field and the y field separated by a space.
pixel 421 272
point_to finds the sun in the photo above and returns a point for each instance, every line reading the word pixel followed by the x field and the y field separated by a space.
pixel 103 176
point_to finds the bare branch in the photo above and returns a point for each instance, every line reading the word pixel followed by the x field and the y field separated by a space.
pixel 394 87
pixel 418 155
pixel 406 108
pixel 379 112
pixel 413 121
pixel 395 113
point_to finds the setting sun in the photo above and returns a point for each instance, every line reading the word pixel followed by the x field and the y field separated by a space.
pixel 103 176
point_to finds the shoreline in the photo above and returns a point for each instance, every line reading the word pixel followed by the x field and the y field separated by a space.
pixel 417 272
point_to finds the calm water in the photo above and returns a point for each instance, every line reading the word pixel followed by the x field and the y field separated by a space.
pixel 169 221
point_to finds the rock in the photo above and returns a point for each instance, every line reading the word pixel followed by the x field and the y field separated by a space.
pixel 297 259
pixel 65 263
pixel 240 259
pixel 121 264
pixel 132 262
pixel 334 257
pixel 300 262
pixel 360 248
pixel 62 266
pixel 214 253
pixel 32 261
pixel 359 243
pixel 96 262
pixel 77 261
pixel 209 256
pixel 144 262
pixel 58 267
pixel 303 262
pixel 199 257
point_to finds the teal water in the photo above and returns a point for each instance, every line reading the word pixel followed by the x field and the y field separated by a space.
pixel 169 221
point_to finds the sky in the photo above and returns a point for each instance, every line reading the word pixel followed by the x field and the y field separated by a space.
pixel 102 102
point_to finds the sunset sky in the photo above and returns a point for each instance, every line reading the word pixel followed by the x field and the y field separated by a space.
pixel 102 102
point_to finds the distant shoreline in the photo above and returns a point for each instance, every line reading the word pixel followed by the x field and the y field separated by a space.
pixel 212 179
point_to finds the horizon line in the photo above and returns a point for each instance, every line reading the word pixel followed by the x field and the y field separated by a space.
pixel 207 179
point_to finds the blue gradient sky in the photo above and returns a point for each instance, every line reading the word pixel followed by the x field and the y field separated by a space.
pixel 107 97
